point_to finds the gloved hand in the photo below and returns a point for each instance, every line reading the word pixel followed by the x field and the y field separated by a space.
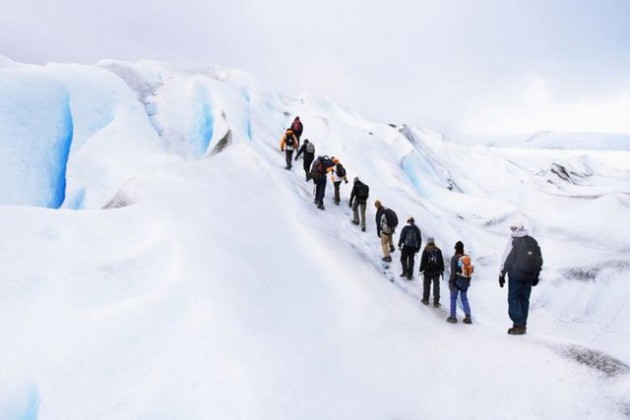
pixel 379 234
pixel 296 158
pixel 501 280
pixel 535 282
pixel 350 204
pixel 346 180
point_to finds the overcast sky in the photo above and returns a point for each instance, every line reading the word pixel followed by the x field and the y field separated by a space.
pixel 490 67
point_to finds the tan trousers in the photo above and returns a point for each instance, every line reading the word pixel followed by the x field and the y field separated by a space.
pixel 387 241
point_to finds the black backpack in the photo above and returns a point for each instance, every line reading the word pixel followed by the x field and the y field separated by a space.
pixel 391 218
pixel 528 256
pixel 289 140
pixel 432 263
pixel 326 161
pixel 341 171
pixel 411 238
pixel 363 191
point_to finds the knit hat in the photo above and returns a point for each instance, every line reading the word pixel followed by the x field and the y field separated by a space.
pixel 430 240
pixel 377 203
pixel 411 220
pixel 517 225
pixel 459 246
pixel 356 179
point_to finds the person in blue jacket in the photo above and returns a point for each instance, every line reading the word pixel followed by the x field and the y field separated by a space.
pixel 458 284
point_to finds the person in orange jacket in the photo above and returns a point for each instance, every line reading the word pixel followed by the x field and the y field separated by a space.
pixel 288 144
pixel 337 176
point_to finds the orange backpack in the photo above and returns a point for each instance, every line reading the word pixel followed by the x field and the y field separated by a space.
pixel 465 263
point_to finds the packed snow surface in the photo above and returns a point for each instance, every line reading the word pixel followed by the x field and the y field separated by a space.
pixel 158 261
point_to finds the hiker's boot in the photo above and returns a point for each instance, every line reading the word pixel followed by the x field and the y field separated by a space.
pixel 424 301
pixel 392 248
pixel 467 320
pixel 435 304
pixel 403 274
pixel 452 320
pixel 387 259
pixel 355 222
pixel 516 330
pixel 321 207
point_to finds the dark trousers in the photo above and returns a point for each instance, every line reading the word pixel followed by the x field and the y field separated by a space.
pixel 337 197
pixel 289 156
pixel 426 287
pixel 519 290
pixel 356 206
pixel 308 160
pixel 407 257
pixel 320 191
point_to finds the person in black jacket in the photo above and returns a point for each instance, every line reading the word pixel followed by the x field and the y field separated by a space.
pixel 409 243
pixel 432 266
pixel 358 201
pixel 308 148
pixel 522 273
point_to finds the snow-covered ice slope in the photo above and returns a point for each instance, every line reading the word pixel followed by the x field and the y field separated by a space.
pixel 158 261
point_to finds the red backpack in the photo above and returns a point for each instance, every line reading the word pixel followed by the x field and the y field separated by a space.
pixel 296 126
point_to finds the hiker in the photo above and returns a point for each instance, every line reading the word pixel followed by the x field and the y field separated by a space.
pixel 321 166
pixel 297 127
pixel 432 266
pixel 308 148
pixel 522 262
pixel 336 176
pixel 386 221
pixel 409 244
pixel 358 201
pixel 289 143
pixel 458 283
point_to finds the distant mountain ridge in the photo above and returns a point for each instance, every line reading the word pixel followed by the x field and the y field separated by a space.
pixel 557 140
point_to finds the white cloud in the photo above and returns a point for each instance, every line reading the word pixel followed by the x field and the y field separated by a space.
pixel 537 108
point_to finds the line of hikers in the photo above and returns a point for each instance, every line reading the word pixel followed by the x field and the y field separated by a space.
pixel 522 259
pixel 522 262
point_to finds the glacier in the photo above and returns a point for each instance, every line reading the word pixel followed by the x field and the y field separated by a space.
pixel 159 262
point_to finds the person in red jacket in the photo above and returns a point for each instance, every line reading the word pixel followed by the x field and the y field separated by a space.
pixel 297 127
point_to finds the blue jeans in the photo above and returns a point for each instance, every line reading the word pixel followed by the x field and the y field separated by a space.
pixel 459 287
pixel 519 290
